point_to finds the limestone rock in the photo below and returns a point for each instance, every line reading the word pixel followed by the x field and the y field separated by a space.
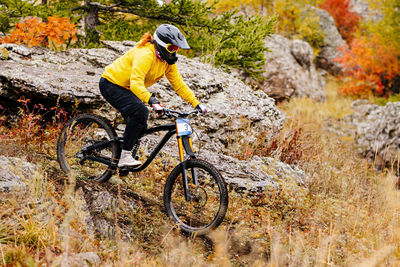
pixel 72 76
pixel 12 173
pixel 52 77
pixel 363 8
pixel 228 100
pixel 101 204
pixel 119 47
pixel 333 40
pixel 255 174
pixel 377 132
pixel 302 52
pixel 359 6
pixel 252 175
pixel 289 70
pixel 78 260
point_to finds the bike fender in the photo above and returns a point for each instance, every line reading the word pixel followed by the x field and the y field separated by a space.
pixel 187 146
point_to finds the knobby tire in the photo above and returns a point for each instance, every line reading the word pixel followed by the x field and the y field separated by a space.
pixel 211 187
pixel 75 128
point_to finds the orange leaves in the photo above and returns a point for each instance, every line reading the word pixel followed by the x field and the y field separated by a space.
pixel 54 33
pixel 346 21
pixel 29 32
pixel 60 30
pixel 372 62
pixel 370 65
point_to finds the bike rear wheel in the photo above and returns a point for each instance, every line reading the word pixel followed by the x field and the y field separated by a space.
pixel 209 203
pixel 79 133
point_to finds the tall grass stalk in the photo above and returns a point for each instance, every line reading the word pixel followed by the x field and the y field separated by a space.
pixel 346 215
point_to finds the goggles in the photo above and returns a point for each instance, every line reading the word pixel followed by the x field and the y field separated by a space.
pixel 169 47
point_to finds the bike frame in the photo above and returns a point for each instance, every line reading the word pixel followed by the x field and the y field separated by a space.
pixel 184 145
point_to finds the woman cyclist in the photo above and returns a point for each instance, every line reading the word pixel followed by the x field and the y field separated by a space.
pixel 123 83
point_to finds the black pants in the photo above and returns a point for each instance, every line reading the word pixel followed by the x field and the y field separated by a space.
pixel 131 107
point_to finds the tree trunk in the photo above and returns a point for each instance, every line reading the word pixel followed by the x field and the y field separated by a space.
pixel 92 16
pixel 91 22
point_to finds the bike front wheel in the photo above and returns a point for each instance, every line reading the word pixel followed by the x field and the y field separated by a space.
pixel 82 132
pixel 208 202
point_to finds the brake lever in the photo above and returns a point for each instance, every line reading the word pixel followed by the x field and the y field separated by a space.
pixel 167 113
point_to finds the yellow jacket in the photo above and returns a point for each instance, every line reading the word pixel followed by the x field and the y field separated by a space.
pixel 140 68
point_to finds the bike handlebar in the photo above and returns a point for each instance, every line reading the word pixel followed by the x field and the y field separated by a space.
pixel 178 114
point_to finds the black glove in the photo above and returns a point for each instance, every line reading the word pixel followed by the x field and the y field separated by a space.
pixel 157 107
pixel 201 109
pixel 153 100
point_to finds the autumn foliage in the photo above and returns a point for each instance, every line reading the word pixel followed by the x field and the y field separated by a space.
pixel 371 63
pixel 369 66
pixel 54 33
pixel 346 21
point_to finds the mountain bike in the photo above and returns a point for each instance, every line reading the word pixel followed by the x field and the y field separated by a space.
pixel 195 194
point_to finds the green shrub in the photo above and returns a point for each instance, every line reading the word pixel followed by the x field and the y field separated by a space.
pixel 382 101
pixel 240 44
pixel 227 39
pixel 5 21
pixel 120 28
pixel 309 30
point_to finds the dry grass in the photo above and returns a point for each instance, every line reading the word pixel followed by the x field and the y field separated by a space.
pixel 350 212
pixel 346 215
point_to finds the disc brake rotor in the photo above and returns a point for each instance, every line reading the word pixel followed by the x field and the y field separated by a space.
pixel 198 196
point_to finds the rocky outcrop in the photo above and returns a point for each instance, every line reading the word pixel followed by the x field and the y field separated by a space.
pixel 13 171
pixel 377 132
pixel 85 259
pixel 362 7
pixel 72 76
pixel 49 77
pixel 255 174
pixel 289 70
pixel 332 41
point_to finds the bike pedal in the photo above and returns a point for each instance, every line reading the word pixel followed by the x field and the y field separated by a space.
pixel 124 171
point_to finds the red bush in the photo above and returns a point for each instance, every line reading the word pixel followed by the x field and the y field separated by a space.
pixel 369 66
pixel 346 21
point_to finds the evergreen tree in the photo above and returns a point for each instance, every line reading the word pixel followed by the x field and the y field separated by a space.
pixel 227 39
pixel 12 10
pixel 223 39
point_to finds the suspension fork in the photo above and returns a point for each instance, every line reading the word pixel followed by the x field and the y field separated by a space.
pixel 185 144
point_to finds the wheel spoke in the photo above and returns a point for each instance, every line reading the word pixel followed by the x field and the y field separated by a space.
pixel 82 133
pixel 208 200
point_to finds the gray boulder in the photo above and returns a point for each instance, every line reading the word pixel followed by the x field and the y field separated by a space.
pixel 84 259
pixel 302 52
pixel 363 8
pixel 257 173
pixel 332 40
pixel 289 70
pixel 13 172
pixel 72 76
pixel 377 132
pixel 230 102
pixel 360 6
